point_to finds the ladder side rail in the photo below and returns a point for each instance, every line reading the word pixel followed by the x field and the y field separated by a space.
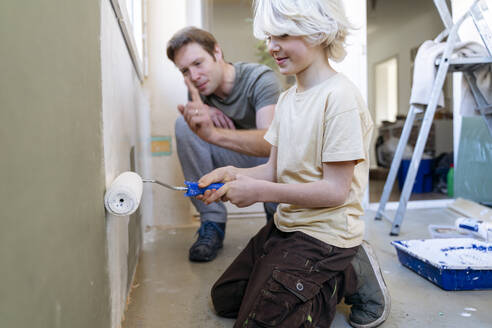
pixel 481 24
pixel 484 107
pixel 424 131
pixel 444 13
pixel 447 19
pixel 395 163
pixel 477 94
pixel 385 216
pixel 417 155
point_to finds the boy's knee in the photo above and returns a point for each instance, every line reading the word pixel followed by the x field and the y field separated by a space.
pixel 227 298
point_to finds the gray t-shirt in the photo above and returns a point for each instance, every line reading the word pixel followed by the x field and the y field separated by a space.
pixel 255 86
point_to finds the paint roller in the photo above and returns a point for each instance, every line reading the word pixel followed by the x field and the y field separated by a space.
pixel 124 195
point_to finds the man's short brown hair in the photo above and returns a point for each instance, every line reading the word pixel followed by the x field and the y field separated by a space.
pixel 189 35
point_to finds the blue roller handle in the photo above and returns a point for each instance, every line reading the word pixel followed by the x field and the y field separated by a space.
pixel 194 190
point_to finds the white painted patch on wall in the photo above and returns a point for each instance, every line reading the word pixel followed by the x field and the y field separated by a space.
pixel 144 159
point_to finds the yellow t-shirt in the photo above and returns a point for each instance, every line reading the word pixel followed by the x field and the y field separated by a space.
pixel 326 123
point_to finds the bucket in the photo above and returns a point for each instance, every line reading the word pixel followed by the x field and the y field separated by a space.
pixel 423 180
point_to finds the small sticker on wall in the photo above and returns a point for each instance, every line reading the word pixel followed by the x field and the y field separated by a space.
pixel 161 146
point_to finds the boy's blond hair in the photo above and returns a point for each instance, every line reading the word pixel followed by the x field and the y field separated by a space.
pixel 320 22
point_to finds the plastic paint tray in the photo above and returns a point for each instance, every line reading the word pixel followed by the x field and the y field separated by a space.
pixel 452 263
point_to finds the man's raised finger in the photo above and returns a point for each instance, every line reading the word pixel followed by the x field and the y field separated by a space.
pixel 195 95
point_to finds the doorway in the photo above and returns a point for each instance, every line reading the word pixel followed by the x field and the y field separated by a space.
pixel 386 91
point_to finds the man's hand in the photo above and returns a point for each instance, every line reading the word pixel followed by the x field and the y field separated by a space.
pixel 216 130
pixel 242 192
pixel 201 118
pixel 220 119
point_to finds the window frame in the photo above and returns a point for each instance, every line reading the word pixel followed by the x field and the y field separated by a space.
pixel 127 29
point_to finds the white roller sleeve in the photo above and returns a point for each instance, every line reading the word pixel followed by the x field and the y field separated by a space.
pixel 123 196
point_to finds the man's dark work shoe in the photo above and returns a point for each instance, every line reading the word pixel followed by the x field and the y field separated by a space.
pixel 205 248
pixel 371 303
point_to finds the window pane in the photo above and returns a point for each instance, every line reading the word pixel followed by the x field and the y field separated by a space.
pixel 386 90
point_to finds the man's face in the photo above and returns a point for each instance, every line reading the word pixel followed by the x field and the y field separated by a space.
pixel 200 67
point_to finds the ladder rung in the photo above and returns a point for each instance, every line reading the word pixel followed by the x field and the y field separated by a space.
pixel 466 64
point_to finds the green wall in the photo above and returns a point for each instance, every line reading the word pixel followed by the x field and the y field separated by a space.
pixel 53 258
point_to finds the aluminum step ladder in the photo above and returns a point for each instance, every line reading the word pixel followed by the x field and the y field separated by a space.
pixel 445 64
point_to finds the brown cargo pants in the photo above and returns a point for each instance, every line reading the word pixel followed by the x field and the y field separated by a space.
pixel 285 279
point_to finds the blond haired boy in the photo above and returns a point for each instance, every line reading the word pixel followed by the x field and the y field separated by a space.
pixel 297 268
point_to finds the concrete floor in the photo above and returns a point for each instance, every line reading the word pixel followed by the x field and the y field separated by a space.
pixel 170 291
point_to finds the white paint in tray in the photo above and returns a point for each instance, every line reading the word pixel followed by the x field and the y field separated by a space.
pixel 450 253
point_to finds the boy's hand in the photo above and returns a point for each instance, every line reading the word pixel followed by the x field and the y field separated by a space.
pixel 197 114
pixel 242 192
pixel 222 174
